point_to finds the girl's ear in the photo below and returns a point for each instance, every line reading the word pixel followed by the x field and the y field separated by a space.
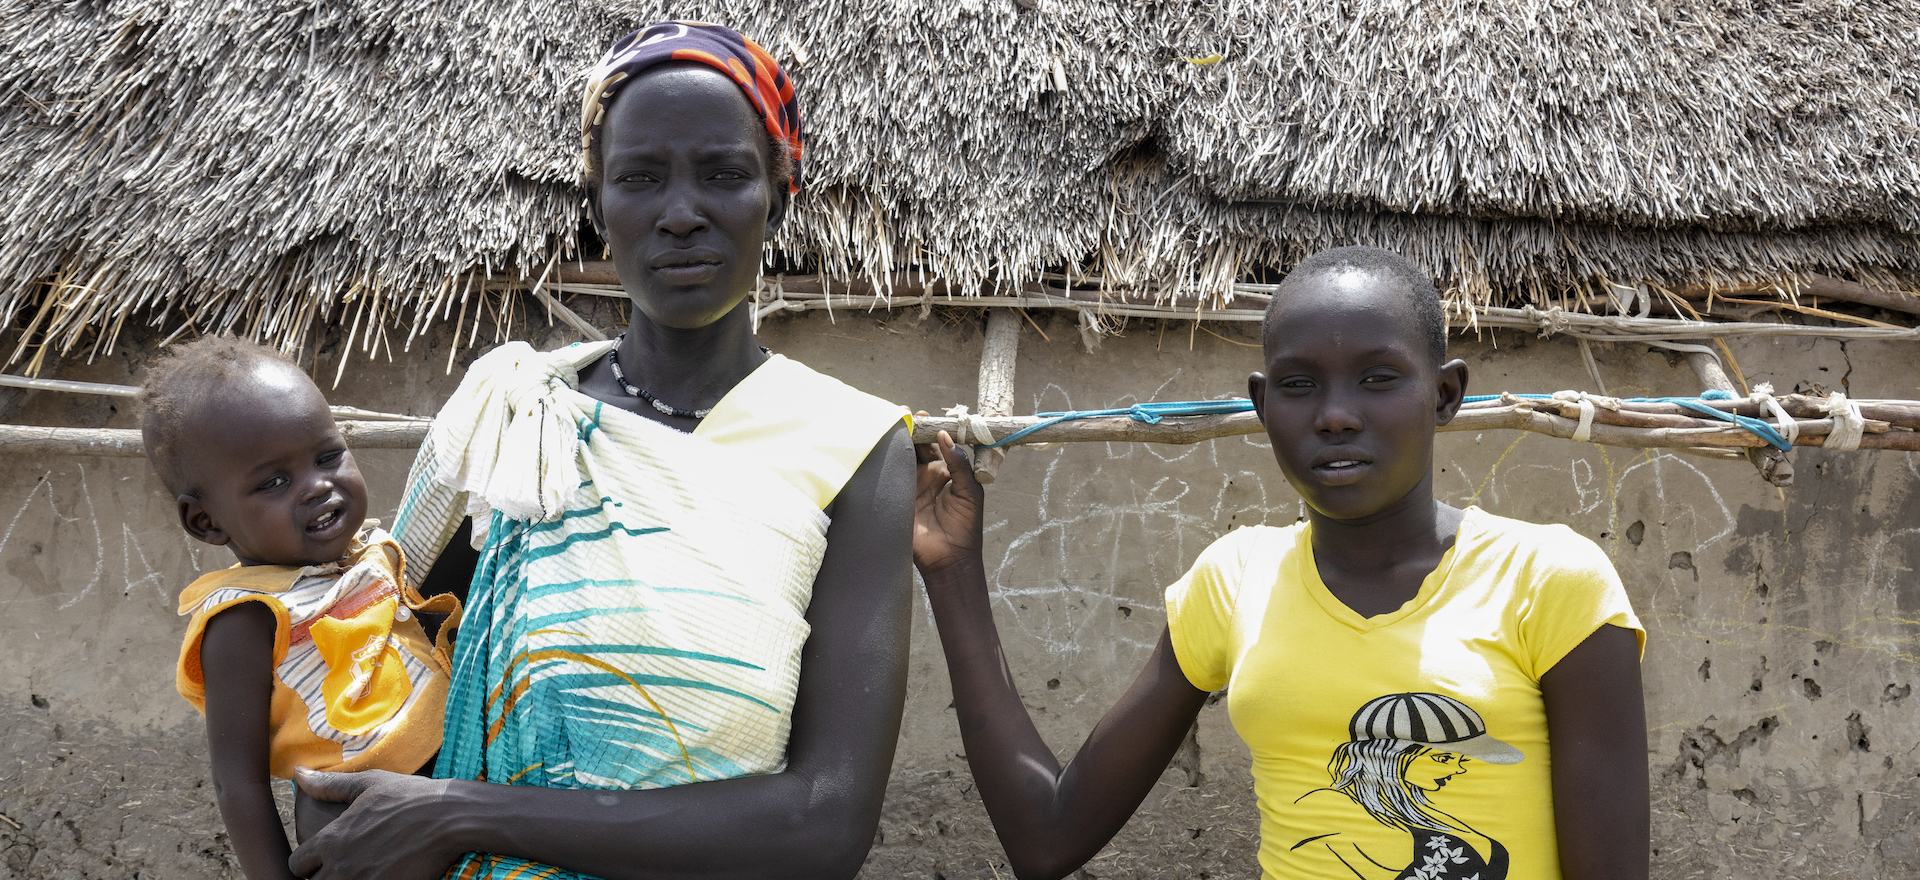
pixel 198 522
pixel 777 211
pixel 1452 390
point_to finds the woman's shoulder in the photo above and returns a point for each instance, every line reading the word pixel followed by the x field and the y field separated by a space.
pixel 810 428
pixel 784 383
pixel 789 400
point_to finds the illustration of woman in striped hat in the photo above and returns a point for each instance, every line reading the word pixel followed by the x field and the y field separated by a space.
pixel 1404 749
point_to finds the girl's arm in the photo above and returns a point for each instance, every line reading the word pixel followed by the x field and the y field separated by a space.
pixel 814 819
pixel 1597 726
pixel 236 659
pixel 1050 819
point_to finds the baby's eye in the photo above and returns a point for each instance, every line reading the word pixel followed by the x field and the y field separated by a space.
pixel 329 459
pixel 271 484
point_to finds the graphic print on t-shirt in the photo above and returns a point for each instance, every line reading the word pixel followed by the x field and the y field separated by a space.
pixel 1387 789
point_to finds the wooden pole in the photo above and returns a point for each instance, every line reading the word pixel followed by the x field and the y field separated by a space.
pixel 1774 465
pixel 998 351
pixel 1890 425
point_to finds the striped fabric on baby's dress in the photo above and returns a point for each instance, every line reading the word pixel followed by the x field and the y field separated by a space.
pixel 640 604
pixel 323 616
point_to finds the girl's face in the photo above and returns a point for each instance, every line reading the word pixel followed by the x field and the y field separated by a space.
pixel 1351 395
pixel 686 200
pixel 1432 770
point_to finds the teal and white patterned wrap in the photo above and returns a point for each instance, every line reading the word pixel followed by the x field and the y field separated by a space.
pixel 639 609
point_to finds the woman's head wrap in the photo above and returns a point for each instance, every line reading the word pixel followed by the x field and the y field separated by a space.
pixel 722 48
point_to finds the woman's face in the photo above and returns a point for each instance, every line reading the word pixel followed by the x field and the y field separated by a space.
pixel 1432 770
pixel 685 200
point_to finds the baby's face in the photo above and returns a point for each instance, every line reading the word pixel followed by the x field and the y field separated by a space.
pixel 277 482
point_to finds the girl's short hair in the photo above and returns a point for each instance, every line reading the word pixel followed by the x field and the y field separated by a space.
pixel 1426 311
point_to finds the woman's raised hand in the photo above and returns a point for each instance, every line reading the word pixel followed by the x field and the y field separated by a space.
pixel 947 507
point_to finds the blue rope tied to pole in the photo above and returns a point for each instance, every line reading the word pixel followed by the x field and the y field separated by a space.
pixel 1750 424
pixel 1152 413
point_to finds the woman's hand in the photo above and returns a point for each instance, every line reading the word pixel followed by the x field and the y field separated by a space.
pixel 387 832
pixel 947 507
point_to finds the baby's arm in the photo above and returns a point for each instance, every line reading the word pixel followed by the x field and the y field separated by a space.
pixel 236 659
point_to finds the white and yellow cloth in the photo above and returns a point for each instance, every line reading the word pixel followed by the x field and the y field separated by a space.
pixel 640 603
pixel 357 685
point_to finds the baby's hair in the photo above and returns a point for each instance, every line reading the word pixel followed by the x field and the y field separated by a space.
pixel 179 385
pixel 1428 315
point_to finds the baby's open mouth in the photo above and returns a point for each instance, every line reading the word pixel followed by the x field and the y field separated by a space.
pixel 326 520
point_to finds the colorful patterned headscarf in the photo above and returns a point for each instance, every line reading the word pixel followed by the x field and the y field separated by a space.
pixel 722 48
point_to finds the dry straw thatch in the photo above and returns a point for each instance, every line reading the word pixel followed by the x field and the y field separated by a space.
pixel 270 164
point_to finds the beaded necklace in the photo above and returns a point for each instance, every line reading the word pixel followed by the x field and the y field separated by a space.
pixel 620 376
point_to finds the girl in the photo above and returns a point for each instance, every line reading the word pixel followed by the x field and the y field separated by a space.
pixel 1521 632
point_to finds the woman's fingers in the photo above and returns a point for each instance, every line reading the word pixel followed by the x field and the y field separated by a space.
pixel 339 788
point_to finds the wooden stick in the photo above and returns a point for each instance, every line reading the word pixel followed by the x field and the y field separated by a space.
pixel 1847 291
pixel 1773 465
pixel 1490 416
pixel 125 442
pixel 998 353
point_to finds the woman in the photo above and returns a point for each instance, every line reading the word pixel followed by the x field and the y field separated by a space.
pixel 682 654
pixel 1385 781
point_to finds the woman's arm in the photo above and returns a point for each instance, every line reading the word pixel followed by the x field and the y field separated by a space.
pixel 1050 820
pixel 236 659
pixel 1597 727
pixel 814 819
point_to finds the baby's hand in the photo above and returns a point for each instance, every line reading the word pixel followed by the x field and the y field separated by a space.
pixel 947 507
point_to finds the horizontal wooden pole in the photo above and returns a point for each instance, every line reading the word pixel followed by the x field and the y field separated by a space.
pixel 125 442
pixel 1695 433
pixel 1641 426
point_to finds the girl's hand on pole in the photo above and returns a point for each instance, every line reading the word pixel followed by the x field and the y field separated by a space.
pixel 947 507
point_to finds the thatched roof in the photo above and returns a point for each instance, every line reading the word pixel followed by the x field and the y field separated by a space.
pixel 262 164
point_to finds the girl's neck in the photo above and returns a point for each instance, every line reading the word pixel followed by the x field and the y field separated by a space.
pixel 692 368
pixel 1415 529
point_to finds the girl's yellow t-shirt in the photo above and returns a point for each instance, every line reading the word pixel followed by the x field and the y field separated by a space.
pixel 1412 744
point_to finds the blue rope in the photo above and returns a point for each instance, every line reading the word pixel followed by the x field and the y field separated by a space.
pixel 1152 413
pixel 1752 425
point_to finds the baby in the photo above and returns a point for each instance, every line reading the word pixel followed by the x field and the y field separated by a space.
pixel 309 651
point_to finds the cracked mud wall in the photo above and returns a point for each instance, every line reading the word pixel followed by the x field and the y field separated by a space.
pixel 1784 627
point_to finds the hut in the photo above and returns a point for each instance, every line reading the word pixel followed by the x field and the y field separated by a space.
pixel 1735 184
pixel 268 171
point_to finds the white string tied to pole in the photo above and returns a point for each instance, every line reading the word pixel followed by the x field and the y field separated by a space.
pixel 1848 424
pixel 1789 429
pixel 976 433
pixel 1583 432
pixel 1552 320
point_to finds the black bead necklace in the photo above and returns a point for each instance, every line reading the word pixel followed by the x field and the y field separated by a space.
pixel 620 376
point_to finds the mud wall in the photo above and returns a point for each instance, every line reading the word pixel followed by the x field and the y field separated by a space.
pixel 1784 627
